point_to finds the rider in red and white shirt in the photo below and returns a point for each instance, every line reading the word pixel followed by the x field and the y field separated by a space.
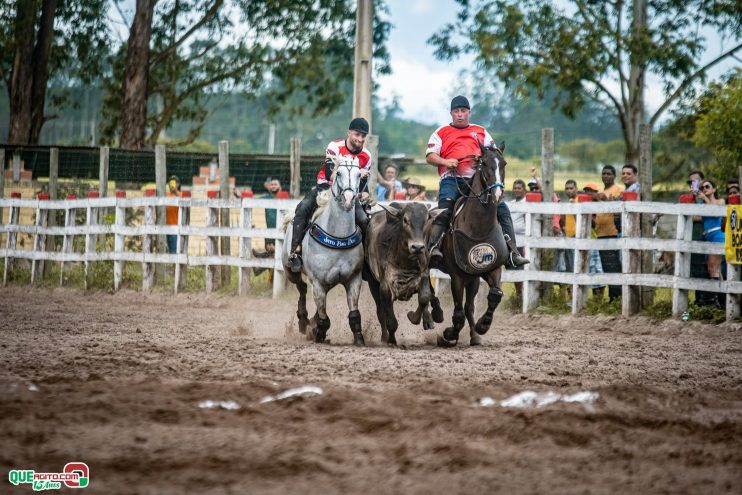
pixel 454 149
pixel 351 147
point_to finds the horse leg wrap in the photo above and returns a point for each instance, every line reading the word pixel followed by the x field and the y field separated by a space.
pixel 323 324
pixel 494 297
pixel 459 318
pixel 354 319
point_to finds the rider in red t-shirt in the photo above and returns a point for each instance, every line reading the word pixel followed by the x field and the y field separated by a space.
pixel 351 146
pixel 454 149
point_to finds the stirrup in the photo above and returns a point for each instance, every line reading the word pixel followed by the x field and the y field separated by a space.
pixel 295 262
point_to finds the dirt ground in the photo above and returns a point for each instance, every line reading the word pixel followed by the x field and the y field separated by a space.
pixel 114 380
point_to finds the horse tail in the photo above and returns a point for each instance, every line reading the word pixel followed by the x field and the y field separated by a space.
pixel 286 221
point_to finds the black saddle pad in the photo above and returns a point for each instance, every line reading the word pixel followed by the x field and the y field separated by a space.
pixel 474 256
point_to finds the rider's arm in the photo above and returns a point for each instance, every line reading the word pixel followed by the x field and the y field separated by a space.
pixel 436 160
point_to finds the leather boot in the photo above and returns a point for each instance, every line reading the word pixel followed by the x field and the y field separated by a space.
pixel 515 260
pixel 436 234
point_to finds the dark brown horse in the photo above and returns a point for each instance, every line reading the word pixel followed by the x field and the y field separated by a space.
pixel 475 248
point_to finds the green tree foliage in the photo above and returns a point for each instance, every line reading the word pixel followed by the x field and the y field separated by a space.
pixel 277 48
pixel 719 125
pixel 44 43
pixel 591 46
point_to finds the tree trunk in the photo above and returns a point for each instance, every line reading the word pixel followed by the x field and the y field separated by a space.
pixel 136 78
pixel 22 79
pixel 41 55
pixel 635 110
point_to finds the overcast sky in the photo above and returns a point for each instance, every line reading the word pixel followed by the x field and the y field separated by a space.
pixel 425 85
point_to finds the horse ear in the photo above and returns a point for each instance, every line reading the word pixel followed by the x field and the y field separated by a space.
pixel 502 147
pixel 391 212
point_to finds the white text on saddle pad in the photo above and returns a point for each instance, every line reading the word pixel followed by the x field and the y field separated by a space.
pixel 482 255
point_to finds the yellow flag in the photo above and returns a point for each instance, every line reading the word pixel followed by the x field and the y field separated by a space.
pixel 733 234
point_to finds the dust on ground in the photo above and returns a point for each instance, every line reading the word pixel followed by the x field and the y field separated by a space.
pixel 114 380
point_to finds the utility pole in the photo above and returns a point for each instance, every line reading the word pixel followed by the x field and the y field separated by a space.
pixel 362 80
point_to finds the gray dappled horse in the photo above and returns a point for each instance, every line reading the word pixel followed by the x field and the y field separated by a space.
pixel 474 247
pixel 332 251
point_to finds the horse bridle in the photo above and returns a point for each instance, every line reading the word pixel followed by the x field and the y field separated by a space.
pixel 484 196
pixel 339 196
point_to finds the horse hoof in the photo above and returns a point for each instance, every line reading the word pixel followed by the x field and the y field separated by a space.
pixel 358 340
pixel 392 340
pixel 319 335
pixel 384 336
pixel 303 326
pixel 437 314
pixel 481 329
pixel 475 340
pixel 413 317
pixel 450 334
pixel 442 342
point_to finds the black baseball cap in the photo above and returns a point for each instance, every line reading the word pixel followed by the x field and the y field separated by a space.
pixel 459 102
pixel 359 124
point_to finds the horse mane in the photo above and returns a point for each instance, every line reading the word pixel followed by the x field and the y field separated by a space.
pixel 323 199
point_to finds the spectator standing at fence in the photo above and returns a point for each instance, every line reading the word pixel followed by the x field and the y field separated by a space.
pixel 712 231
pixel 387 183
pixel 171 212
pixel 568 224
pixel 594 265
pixel 732 188
pixel 698 266
pixel 274 187
pixel 519 224
pixel 630 179
pixel 414 189
pixel 605 228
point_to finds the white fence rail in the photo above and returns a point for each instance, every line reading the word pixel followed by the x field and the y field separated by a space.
pixel 630 245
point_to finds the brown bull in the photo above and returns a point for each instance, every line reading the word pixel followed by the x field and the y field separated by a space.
pixel 396 265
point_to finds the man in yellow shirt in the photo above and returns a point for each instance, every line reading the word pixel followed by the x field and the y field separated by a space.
pixel 605 227
pixel 171 212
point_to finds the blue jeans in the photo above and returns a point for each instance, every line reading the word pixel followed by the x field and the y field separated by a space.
pixel 172 244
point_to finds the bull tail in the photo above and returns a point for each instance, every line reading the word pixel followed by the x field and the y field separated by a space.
pixel 286 221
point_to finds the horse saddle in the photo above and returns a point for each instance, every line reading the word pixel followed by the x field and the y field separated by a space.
pixel 474 256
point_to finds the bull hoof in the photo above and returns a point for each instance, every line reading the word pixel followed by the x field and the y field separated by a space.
pixel 428 322
pixel 384 336
pixel 392 340
pixel 475 339
pixel 414 317
pixel 437 314
pixel 303 322
pixel 358 340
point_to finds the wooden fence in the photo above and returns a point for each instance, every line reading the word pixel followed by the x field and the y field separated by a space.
pixel 533 276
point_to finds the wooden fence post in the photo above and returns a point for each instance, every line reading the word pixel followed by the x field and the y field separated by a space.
pixel 39 244
pixel 583 230
pixel 52 219
pixel 160 215
pixel 684 232
pixel 531 288
pixel 212 243
pixel 91 219
pixel 148 269
pixel 2 180
pixel 295 166
pixel 103 171
pixel 733 275
pixel 70 217
pixel 547 167
pixel 10 243
pixel 630 263
pixel 279 278
pixel 645 179
pixel 372 145
pixel 243 281
pixel 118 241
pixel 184 220
pixel 16 167
pixel 226 242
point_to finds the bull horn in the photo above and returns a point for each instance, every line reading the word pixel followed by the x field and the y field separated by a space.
pixel 435 212
pixel 390 209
